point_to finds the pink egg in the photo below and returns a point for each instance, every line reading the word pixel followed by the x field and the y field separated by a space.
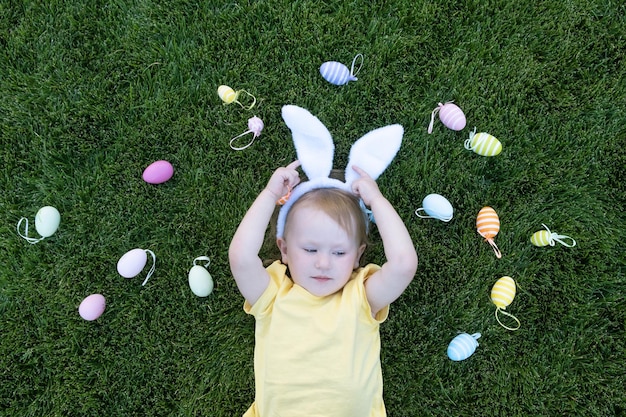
pixel 92 307
pixel 132 263
pixel 158 172
pixel 452 116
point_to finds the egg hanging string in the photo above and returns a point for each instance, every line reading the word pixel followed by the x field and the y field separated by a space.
pixel 360 66
pixel 559 238
pixel 510 315
pixel 31 240
pixel 494 246
pixel 432 115
pixel 151 271
pixel 255 126
pixel 203 258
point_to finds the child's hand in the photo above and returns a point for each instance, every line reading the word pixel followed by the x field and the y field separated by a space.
pixel 365 187
pixel 283 180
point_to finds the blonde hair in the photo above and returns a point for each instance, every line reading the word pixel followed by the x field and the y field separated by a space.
pixel 344 208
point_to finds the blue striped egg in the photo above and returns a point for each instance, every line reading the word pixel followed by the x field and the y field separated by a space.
pixel 462 346
pixel 483 144
pixel 336 73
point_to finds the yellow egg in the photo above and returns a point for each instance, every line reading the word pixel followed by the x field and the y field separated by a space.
pixel 503 292
pixel 483 144
pixel 227 94
pixel 542 238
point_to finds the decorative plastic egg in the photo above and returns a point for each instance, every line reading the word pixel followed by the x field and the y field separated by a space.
pixel 502 294
pixel 92 307
pixel 483 144
pixel 158 172
pixel 228 96
pixel 546 237
pixel 133 262
pixel 47 222
pixel 436 207
pixel 200 281
pixel 450 115
pixel 488 226
pixel 255 126
pixel 463 346
pixel 337 73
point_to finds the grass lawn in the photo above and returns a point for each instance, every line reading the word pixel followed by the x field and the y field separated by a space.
pixel 92 92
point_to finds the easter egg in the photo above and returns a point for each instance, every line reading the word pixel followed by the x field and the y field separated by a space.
pixel 47 221
pixel 483 144
pixel 200 281
pixel 452 116
pixel 226 94
pixel 462 346
pixel 503 292
pixel 158 172
pixel 255 125
pixel 132 263
pixel 336 73
pixel 542 238
pixel 437 207
pixel 92 307
pixel 487 222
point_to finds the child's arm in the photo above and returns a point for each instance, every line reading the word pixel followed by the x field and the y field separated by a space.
pixel 247 268
pixel 387 284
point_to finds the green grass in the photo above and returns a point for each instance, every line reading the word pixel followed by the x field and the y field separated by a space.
pixel 91 92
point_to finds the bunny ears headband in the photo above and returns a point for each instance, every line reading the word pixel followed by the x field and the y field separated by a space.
pixel 315 148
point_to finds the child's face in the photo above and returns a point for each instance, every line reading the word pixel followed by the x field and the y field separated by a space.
pixel 320 254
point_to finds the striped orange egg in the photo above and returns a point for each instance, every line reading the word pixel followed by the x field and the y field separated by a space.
pixel 483 144
pixel 488 226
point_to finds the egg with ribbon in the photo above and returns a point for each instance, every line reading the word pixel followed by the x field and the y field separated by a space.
pixel 436 207
pixel 47 222
pixel 337 73
pixel 255 126
pixel 133 262
pixel 450 115
pixel 200 281
pixel 488 226
pixel 483 144
pixel 502 295
pixel 228 96
pixel 546 237
pixel 92 307
pixel 462 346
pixel 158 172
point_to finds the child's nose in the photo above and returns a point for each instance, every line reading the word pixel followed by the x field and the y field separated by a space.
pixel 322 261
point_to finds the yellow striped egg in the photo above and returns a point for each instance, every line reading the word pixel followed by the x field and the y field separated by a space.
pixel 503 292
pixel 227 94
pixel 487 222
pixel 483 144
pixel 542 238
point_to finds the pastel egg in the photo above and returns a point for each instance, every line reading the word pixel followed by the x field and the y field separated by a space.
pixel 483 144
pixel 47 221
pixel 452 116
pixel 226 94
pixel 487 222
pixel 503 292
pixel 336 73
pixel 200 281
pixel 92 307
pixel 462 346
pixel 158 172
pixel 542 238
pixel 132 263
pixel 437 207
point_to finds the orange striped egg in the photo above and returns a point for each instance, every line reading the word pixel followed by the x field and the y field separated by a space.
pixel 483 144
pixel 488 226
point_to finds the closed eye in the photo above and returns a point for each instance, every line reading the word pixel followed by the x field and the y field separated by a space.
pixel 339 253
pixel 310 250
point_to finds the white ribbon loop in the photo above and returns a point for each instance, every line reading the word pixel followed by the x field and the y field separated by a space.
pixel 151 271
pixel 31 240
pixel 352 72
pixel 202 258
pixel 241 148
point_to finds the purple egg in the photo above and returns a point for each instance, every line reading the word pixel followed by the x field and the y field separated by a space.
pixel 132 263
pixel 158 172
pixel 92 307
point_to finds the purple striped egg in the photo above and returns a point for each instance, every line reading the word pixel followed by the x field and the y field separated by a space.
pixel 462 346
pixel 336 73
pixel 452 116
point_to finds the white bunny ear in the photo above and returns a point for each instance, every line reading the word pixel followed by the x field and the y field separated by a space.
pixel 312 140
pixel 374 152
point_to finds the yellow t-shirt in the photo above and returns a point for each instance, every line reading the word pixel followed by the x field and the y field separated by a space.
pixel 316 356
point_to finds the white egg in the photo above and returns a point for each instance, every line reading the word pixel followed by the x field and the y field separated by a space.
pixel 200 281
pixel 132 263
pixel 436 207
pixel 47 221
